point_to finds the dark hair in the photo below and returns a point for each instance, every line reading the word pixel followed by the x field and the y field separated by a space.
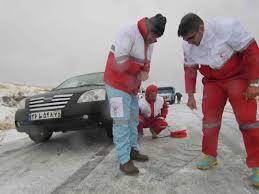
pixel 189 23
pixel 157 24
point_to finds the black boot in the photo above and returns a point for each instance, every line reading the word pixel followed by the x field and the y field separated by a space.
pixel 135 155
pixel 129 168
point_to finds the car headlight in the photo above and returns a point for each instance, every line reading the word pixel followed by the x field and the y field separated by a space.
pixel 21 104
pixel 92 95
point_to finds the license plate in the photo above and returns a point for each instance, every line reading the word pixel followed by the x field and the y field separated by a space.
pixel 45 115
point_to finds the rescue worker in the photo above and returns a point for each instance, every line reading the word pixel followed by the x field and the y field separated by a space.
pixel 127 66
pixel 153 110
pixel 228 58
pixel 178 97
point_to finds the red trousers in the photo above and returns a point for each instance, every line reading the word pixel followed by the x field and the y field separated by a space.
pixel 215 95
pixel 157 125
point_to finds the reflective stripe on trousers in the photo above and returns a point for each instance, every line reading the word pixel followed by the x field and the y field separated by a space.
pixel 249 126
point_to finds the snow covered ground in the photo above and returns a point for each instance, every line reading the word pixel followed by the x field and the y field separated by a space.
pixel 171 168
pixel 80 162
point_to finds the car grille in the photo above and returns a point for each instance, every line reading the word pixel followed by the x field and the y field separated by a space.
pixel 49 103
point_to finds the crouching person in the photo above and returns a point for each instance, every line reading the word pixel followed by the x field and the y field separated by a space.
pixel 153 110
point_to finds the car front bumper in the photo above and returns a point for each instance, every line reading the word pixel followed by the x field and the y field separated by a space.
pixel 75 117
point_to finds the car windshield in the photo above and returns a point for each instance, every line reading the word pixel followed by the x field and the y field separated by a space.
pixel 165 90
pixel 82 80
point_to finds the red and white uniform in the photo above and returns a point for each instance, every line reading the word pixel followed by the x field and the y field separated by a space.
pixel 152 114
pixel 129 56
pixel 228 58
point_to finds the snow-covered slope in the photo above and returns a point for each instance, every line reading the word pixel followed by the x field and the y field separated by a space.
pixel 10 95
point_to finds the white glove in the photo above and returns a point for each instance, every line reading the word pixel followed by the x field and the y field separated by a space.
pixel 160 118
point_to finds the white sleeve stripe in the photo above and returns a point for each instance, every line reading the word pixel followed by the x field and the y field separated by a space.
pixel 138 60
pixel 121 59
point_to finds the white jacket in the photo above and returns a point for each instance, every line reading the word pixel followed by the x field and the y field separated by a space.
pixel 221 39
pixel 145 109
pixel 129 43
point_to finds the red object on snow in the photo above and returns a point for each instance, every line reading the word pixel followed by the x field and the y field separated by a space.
pixel 179 134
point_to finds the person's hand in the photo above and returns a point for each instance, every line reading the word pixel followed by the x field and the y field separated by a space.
pixel 191 102
pixel 160 118
pixel 142 76
pixel 252 92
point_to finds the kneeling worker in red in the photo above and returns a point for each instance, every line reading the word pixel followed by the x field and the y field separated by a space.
pixel 152 112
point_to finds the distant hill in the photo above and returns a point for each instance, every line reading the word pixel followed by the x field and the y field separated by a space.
pixel 10 95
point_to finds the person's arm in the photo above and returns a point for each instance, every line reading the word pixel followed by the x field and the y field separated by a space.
pixel 164 110
pixel 190 85
pixel 146 66
pixel 242 41
pixel 190 77
pixel 251 59
pixel 123 62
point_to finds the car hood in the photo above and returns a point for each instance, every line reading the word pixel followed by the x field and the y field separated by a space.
pixel 78 90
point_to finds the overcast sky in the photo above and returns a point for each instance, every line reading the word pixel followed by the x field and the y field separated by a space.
pixel 44 42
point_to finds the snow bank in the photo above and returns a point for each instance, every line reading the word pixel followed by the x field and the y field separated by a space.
pixel 10 95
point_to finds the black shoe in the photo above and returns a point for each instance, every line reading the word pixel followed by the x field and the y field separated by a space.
pixel 135 155
pixel 129 168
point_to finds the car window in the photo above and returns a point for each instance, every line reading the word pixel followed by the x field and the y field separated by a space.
pixel 82 80
pixel 164 90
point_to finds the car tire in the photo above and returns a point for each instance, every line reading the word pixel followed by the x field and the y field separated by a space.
pixel 108 129
pixel 40 136
pixel 172 101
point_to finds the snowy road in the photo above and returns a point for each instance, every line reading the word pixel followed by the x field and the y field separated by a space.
pixel 81 162
pixel 26 167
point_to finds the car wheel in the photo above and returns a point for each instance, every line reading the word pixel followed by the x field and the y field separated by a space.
pixel 172 101
pixel 40 136
pixel 108 128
